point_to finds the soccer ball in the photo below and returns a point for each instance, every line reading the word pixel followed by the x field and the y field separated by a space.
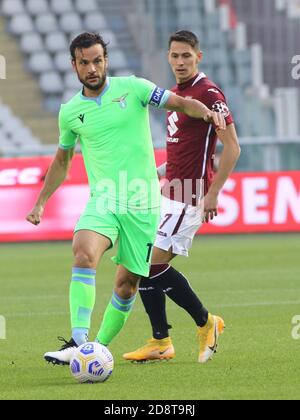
pixel 92 363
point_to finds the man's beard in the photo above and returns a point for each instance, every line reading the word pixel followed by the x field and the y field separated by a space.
pixel 96 87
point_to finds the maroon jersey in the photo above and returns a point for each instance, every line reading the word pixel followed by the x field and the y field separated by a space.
pixel 191 143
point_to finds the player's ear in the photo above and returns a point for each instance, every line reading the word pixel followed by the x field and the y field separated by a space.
pixel 73 62
pixel 200 56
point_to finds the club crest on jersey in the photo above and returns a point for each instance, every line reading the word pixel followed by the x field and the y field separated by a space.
pixel 122 101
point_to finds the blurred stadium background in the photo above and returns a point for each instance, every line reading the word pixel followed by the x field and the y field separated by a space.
pixel 251 49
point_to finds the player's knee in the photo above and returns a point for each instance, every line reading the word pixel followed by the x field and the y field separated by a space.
pixel 84 259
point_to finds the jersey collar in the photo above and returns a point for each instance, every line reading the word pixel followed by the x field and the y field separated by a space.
pixel 192 82
pixel 98 99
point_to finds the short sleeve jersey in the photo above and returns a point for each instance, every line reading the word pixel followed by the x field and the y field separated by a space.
pixel 191 143
pixel 115 138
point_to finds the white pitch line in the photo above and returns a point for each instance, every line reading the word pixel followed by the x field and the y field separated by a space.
pixel 33 297
pixel 246 305
pixel 234 305
pixel 229 292
pixel 35 314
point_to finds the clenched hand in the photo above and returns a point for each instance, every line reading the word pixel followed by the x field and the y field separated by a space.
pixel 210 207
pixel 217 119
pixel 35 216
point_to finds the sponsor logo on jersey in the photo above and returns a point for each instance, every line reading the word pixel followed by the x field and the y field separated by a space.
pixel 157 97
pixel 172 127
pixel 221 107
pixel 122 101
pixel 162 234
pixel 81 117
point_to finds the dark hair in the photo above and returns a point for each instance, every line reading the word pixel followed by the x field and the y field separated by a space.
pixel 187 37
pixel 87 40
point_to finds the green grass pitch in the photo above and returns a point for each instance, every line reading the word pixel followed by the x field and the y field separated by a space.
pixel 252 281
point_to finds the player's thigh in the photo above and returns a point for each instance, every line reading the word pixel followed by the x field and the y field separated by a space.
pixel 89 246
pixel 137 235
pixel 172 215
pixel 179 224
pixel 160 256
pixel 96 231
pixel 182 240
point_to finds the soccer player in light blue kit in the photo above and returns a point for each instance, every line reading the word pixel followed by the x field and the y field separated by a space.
pixel 110 118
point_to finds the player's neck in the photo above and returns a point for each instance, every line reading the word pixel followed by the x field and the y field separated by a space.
pixel 181 81
pixel 94 93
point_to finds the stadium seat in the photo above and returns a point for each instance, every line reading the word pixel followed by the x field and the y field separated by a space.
pixel 31 42
pixel 117 60
pixel 70 23
pixel 37 7
pixel 71 81
pixel 62 61
pixel 45 29
pixel 61 7
pixel 56 41
pixel 68 94
pixel 53 102
pixel 51 82
pixel 94 22
pixel 13 134
pixel 86 6
pixel 46 23
pixel 117 23
pixel 110 38
pixel 20 134
pixel 12 7
pixel 21 24
pixel 5 113
pixel 40 62
pixel 5 142
pixel 11 125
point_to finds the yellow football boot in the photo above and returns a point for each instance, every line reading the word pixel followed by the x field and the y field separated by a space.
pixel 208 338
pixel 153 350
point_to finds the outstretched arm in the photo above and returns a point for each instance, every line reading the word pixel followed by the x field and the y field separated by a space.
pixel 55 177
pixel 195 109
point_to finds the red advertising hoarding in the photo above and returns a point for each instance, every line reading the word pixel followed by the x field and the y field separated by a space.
pixel 249 202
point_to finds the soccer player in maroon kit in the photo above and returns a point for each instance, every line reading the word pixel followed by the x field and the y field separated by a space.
pixel 190 198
